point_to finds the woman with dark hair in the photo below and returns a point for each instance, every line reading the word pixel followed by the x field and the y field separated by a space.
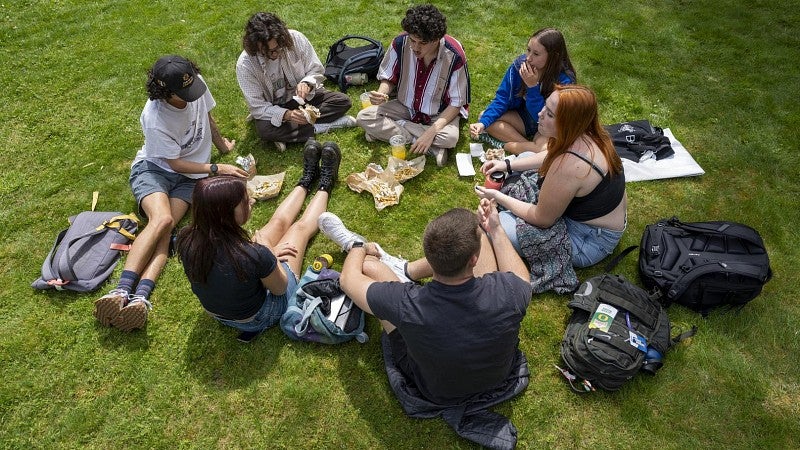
pixel 242 282
pixel 580 178
pixel 511 120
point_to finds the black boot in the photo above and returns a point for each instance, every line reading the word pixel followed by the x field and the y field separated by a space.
pixel 311 156
pixel 329 168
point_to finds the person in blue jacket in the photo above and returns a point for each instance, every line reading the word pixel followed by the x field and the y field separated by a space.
pixel 511 119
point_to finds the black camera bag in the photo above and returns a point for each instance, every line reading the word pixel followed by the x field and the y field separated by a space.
pixel 703 265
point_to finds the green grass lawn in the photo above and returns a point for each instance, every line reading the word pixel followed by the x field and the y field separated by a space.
pixel 721 75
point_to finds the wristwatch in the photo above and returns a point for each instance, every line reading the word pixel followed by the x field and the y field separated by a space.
pixel 214 169
pixel 356 244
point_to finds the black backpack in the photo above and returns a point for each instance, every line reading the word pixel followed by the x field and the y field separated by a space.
pixel 703 265
pixel 638 140
pixel 616 330
pixel 344 59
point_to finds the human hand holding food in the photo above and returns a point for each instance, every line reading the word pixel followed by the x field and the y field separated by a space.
pixel 377 98
pixel 475 129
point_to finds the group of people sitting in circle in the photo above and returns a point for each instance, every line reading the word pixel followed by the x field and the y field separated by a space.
pixel 454 336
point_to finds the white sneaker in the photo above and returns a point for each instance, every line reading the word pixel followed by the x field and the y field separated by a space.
pixel 281 146
pixel 440 154
pixel 341 122
pixel 396 263
pixel 333 228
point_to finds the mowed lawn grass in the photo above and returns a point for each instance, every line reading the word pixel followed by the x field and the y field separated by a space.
pixel 721 75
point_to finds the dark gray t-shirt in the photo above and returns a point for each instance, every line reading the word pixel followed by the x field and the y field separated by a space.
pixel 461 340
pixel 229 297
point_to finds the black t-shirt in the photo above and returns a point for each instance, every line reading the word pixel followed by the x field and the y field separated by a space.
pixel 461 339
pixel 229 297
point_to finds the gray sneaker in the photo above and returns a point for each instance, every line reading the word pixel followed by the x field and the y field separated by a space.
pixel 440 154
pixel 333 228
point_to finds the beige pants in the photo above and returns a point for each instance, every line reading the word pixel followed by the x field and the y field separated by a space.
pixel 391 118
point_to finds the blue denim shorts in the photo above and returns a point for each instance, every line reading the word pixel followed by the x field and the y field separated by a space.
pixel 590 244
pixel 271 311
pixel 147 178
pixel 509 223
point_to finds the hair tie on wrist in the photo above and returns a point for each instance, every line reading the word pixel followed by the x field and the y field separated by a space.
pixel 508 166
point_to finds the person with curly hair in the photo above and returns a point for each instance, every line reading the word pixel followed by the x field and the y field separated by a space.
pixel 178 133
pixel 280 74
pixel 427 69
pixel 511 119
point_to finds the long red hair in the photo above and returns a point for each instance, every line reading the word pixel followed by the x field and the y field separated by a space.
pixel 577 116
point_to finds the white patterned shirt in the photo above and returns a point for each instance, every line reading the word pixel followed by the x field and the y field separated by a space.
pixel 262 87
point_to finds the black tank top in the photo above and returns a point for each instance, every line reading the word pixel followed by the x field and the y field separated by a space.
pixel 601 201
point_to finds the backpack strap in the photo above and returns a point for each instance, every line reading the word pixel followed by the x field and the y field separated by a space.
pixel 613 263
pixel 741 268
pixel 309 305
pixel 730 229
pixel 49 275
pixel 115 223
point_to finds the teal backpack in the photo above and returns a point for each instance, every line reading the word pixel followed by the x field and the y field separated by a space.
pixel 319 311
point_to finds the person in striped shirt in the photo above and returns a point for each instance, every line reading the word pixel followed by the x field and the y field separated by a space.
pixel 427 71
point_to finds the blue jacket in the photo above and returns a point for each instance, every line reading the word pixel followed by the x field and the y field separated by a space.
pixel 506 98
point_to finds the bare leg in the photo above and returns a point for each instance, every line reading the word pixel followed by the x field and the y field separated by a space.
pixel 283 217
pixel 508 128
pixel 162 213
pixel 300 232
pixel 486 260
pixel 158 259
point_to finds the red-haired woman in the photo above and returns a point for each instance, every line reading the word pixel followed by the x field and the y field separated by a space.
pixel 580 178
pixel 242 282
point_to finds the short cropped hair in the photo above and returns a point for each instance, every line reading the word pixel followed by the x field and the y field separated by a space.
pixel 450 240
pixel 426 22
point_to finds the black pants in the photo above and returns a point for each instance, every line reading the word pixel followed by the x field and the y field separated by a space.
pixel 331 105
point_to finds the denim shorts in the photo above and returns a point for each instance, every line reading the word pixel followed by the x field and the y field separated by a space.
pixel 147 178
pixel 590 244
pixel 271 311
pixel 509 223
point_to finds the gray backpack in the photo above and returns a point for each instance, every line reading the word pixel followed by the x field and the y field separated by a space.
pixel 85 254
pixel 616 329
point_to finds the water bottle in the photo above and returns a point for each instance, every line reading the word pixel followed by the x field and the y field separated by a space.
pixel 321 262
pixel 356 79
pixel 652 361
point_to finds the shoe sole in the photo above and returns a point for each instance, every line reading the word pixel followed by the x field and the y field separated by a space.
pixel 106 309
pixel 131 317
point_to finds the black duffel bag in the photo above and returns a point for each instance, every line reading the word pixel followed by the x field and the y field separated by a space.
pixel 703 265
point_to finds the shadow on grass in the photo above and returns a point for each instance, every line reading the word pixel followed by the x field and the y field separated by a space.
pixel 364 381
pixel 214 356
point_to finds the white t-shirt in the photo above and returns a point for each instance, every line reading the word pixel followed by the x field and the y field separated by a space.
pixel 172 133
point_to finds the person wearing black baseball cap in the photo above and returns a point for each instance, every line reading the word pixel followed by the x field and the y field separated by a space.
pixel 178 133
pixel 179 75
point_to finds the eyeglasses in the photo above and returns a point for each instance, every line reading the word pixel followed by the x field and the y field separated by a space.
pixel 272 52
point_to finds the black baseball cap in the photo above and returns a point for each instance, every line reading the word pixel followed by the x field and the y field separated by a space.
pixel 177 74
